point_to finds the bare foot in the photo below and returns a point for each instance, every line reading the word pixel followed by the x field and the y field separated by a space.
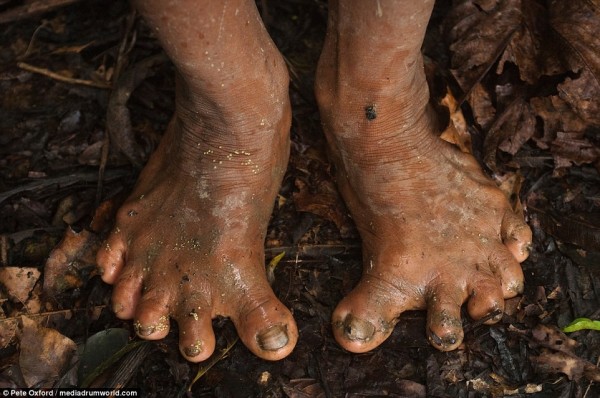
pixel 189 242
pixel 436 231
pixel 436 234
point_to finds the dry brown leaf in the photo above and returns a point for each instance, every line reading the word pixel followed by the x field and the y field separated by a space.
pixel 481 104
pixel 582 94
pixel 483 32
pixel 553 338
pixel 71 262
pixel 509 132
pixel 457 132
pixel 574 147
pixel 325 203
pixel 559 362
pixel 510 185
pixel 556 116
pixel 564 132
pixel 557 355
pixel 45 354
pixel 304 388
pixel 19 282
pixel 577 26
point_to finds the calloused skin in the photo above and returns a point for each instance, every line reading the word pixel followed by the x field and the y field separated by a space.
pixel 188 244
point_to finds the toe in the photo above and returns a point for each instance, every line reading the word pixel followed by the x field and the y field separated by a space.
pixel 485 298
pixel 152 314
pixel 110 258
pixel 444 326
pixel 126 294
pixel 196 336
pixel 266 326
pixel 504 264
pixel 516 236
pixel 365 318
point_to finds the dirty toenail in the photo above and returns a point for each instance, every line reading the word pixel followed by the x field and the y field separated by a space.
pixel 143 331
pixel 193 350
pixel 117 307
pixel 447 341
pixel 358 329
pixel 273 338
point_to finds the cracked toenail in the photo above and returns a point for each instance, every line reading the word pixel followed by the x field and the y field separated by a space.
pixel 358 329
pixel 193 350
pixel 273 338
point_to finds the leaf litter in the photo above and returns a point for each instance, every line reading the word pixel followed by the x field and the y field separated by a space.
pixel 520 83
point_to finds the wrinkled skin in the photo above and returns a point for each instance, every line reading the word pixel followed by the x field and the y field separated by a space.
pixel 188 244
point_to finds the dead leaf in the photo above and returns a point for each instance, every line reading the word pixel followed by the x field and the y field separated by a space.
pixel 514 127
pixel 45 354
pixel 481 105
pixel 577 26
pixel 582 94
pixel 19 282
pixel 553 337
pixel 559 362
pixel 71 262
pixel 482 33
pixel 10 326
pixel 556 116
pixel 457 132
pixel 304 388
pixel 557 355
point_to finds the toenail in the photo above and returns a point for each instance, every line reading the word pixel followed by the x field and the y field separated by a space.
pixel 117 307
pixel 143 331
pixel 273 338
pixel 447 341
pixel 358 329
pixel 193 350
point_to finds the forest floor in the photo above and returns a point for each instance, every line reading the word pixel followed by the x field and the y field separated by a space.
pixel 525 75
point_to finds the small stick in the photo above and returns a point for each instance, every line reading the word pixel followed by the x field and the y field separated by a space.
pixel 32 8
pixel 59 77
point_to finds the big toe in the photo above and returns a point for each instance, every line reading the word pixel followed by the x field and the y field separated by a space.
pixel 365 318
pixel 266 327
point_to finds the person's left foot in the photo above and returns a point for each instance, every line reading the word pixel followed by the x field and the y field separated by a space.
pixel 436 231
pixel 436 234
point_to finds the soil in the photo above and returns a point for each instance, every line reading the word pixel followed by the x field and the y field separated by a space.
pixel 65 76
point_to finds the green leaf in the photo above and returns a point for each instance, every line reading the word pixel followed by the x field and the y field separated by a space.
pixel 582 324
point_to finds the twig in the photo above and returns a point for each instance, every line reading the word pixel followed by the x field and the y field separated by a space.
pixel 59 77
pixel 62 182
pixel 213 361
pixel 33 8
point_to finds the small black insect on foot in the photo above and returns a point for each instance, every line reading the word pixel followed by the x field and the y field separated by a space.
pixel 370 112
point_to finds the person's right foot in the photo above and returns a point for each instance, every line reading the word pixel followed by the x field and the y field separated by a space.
pixel 189 242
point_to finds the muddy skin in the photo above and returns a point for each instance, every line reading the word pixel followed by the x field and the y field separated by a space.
pixel 188 243
pixel 436 232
